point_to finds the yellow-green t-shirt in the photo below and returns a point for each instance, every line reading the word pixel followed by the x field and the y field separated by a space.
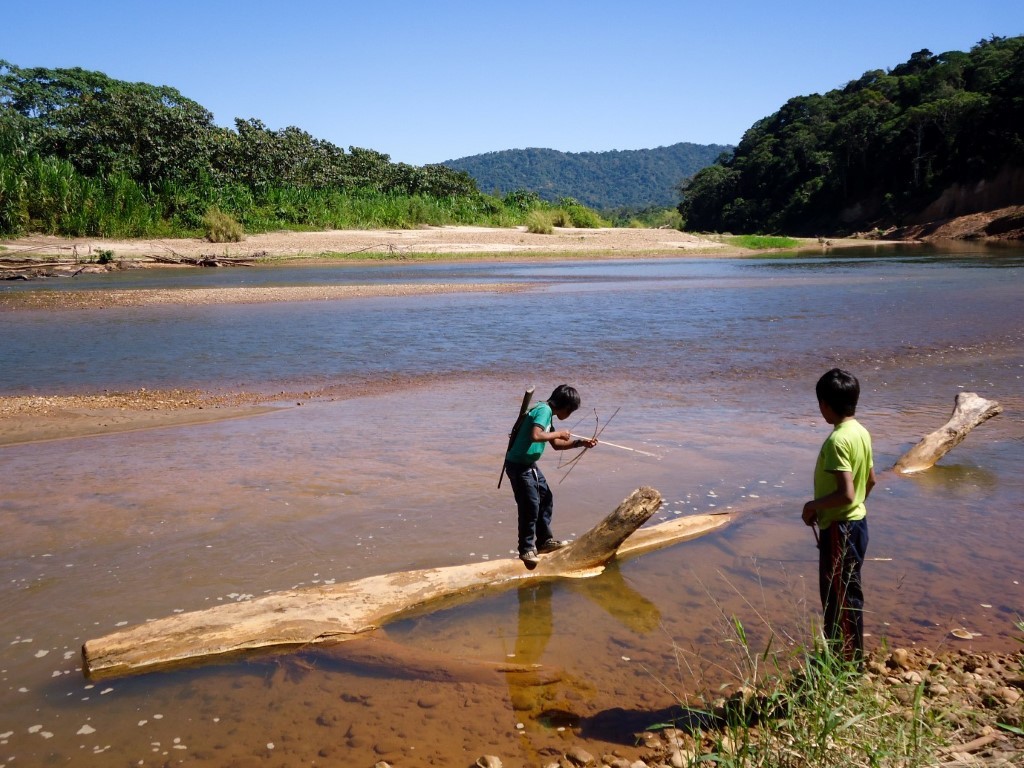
pixel 846 449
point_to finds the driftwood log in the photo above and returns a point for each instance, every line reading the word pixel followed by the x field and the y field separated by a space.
pixel 970 411
pixel 328 614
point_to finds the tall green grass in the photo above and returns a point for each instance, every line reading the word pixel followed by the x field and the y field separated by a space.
pixel 762 242
pixel 793 705
pixel 48 195
pixel 813 710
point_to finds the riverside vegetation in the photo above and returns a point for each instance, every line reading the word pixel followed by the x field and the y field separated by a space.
pixel 877 152
pixel 909 707
pixel 82 154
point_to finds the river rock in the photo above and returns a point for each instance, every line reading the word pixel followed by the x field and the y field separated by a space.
pixel 428 702
pixel 1009 695
pixel 488 761
pixel 899 659
pixel 579 756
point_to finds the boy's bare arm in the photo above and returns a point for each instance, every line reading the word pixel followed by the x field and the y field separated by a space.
pixel 561 440
pixel 540 436
pixel 843 494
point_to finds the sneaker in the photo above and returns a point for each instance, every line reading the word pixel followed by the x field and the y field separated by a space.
pixel 530 559
pixel 551 545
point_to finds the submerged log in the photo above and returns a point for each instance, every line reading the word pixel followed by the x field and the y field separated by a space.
pixel 970 411
pixel 339 612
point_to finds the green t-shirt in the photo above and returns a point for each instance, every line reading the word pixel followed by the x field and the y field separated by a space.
pixel 524 450
pixel 846 449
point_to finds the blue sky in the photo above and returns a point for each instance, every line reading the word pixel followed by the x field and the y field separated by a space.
pixel 431 81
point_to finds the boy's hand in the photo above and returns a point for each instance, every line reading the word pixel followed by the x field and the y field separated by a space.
pixel 810 513
pixel 589 442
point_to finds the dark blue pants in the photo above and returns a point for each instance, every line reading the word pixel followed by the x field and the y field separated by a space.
pixel 535 504
pixel 841 554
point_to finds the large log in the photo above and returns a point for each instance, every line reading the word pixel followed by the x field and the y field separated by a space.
pixel 339 612
pixel 970 411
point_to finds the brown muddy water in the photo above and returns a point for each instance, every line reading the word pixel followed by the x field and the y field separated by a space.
pixel 712 367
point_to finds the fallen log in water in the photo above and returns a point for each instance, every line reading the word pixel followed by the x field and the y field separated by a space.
pixel 339 612
pixel 970 411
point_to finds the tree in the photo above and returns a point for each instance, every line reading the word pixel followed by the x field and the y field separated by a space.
pixel 105 126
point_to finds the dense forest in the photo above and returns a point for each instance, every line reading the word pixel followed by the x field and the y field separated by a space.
pixel 608 181
pixel 877 152
pixel 84 154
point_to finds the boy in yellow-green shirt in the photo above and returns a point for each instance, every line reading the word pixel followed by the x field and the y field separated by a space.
pixel 843 478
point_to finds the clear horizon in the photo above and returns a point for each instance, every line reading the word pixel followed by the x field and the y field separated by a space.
pixel 426 83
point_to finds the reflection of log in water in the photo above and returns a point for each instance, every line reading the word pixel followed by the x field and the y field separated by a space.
pixel 621 601
pixel 377 653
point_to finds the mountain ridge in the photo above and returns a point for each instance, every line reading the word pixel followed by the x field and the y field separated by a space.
pixel 608 180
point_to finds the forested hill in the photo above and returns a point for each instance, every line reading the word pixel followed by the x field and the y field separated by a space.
pixel 935 137
pixel 633 179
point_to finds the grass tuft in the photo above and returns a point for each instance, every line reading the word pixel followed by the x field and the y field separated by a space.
pixel 221 227
pixel 540 222
pixel 793 706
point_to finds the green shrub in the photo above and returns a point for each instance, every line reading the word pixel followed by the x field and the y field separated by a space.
pixel 561 218
pixel 670 218
pixel 521 200
pixel 221 227
pixel 585 218
pixel 539 222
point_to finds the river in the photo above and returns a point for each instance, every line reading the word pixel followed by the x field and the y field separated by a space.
pixel 708 363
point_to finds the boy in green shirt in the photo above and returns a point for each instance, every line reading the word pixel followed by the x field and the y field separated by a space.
pixel 533 496
pixel 843 478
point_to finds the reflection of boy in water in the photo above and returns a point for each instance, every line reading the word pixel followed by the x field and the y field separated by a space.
pixel 843 478
pixel 534 625
pixel 533 496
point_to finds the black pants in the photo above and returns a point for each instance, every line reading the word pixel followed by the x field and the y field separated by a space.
pixel 841 554
pixel 535 504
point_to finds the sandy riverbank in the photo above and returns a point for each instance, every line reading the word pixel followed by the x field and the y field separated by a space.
pixel 456 242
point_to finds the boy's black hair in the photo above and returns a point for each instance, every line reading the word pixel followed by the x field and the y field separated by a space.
pixel 566 397
pixel 839 390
